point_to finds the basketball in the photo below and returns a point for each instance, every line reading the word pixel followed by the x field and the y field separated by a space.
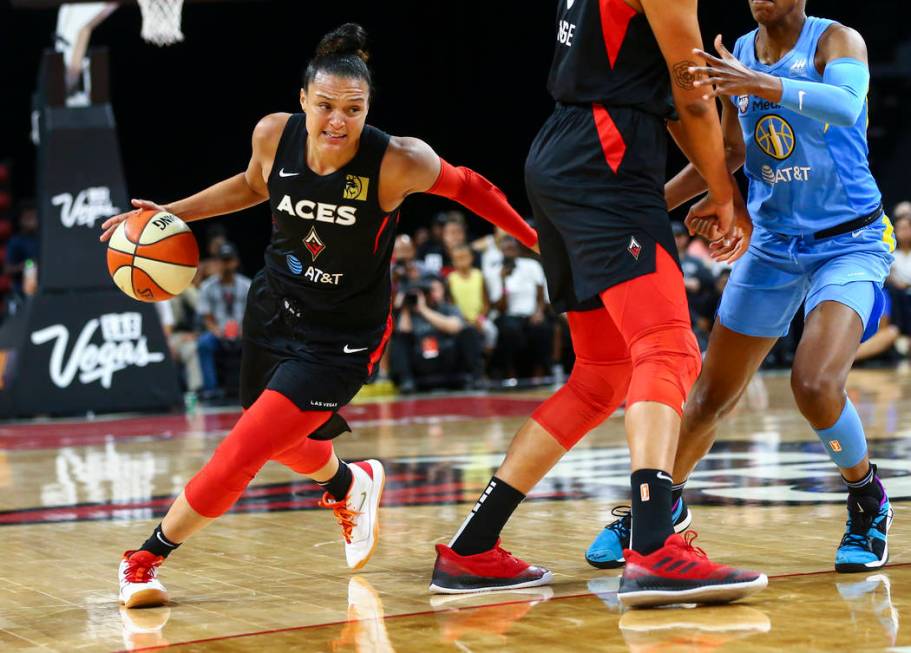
pixel 152 256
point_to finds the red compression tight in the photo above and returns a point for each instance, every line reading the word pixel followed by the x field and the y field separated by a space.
pixel 639 347
pixel 273 428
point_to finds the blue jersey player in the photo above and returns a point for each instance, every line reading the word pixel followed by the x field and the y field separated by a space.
pixel 795 117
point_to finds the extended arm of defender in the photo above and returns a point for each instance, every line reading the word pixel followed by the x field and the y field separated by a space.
pixel 839 99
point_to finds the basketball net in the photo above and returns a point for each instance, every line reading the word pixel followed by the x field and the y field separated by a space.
pixel 161 21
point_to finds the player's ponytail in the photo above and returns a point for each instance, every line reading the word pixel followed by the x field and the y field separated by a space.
pixel 343 52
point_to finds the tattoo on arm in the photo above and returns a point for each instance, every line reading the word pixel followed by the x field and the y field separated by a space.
pixel 682 76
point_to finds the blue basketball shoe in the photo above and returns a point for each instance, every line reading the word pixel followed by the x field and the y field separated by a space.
pixel 865 545
pixel 606 552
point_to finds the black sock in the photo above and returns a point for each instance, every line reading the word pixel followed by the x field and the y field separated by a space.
pixel 482 527
pixel 676 493
pixel 868 486
pixel 651 492
pixel 159 544
pixel 339 484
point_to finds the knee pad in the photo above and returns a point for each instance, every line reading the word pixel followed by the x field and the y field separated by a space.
pixel 592 393
pixel 272 424
pixel 307 456
pixel 666 362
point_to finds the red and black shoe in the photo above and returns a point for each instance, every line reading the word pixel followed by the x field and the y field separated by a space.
pixel 679 572
pixel 496 569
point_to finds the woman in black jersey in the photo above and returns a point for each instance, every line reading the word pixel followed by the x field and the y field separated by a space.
pixel 318 315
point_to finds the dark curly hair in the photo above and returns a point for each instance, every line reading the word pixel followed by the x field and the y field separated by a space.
pixel 342 52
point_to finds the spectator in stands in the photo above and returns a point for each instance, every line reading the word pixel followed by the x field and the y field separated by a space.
pixel 469 293
pixel 216 236
pixel 23 246
pixel 526 333
pixel 432 252
pixel 432 345
pixel 898 284
pixel 698 280
pixel 185 333
pixel 406 269
pixel 222 298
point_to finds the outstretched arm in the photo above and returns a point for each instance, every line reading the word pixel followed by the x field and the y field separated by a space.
pixel 838 99
pixel 241 191
pixel 411 166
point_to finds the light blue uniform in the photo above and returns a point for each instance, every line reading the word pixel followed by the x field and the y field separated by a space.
pixel 805 176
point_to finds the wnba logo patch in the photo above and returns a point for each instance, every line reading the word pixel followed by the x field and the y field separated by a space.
pixel 835 445
pixel 356 187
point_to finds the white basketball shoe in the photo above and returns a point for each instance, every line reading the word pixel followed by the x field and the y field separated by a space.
pixel 358 514
pixel 139 584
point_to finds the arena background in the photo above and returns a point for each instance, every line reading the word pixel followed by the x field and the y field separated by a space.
pixel 468 77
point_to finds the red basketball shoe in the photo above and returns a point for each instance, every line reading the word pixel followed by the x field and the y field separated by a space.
pixel 679 572
pixel 496 569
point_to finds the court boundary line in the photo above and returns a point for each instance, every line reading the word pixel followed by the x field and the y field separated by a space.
pixel 422 613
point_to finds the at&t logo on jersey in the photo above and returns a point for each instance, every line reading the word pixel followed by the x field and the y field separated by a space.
pixel 308 210
pixel 294 264
pixel 786 174
pixel 316 275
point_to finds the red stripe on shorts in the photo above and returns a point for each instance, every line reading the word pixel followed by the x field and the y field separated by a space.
pixel 611 140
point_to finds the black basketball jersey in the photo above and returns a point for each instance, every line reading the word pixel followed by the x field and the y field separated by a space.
pixel 606 53
pixel 331 241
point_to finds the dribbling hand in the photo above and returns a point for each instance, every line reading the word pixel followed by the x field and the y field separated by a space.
pixel 111 223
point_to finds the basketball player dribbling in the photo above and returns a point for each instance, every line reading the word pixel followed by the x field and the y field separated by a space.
pixel 318 316
pixel 595 178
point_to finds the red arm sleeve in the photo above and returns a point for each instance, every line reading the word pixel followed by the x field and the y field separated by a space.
pixel 474 192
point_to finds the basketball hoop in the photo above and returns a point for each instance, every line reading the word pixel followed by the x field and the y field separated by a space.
pixel 161 21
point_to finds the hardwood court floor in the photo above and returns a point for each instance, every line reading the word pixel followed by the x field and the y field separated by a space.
pixel 270 576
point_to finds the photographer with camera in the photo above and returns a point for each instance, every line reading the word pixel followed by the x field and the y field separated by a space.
pixel 526 333
pixel 432 345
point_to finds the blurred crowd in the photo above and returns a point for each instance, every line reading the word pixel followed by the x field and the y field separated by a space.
pixel 469 313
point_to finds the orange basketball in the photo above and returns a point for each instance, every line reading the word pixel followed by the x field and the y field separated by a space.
pixel 152 256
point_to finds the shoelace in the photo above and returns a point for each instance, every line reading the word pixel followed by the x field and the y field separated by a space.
pixel 139 572
pixel 621 525
pixel 688 538
pixel 343 515
pixel 857 526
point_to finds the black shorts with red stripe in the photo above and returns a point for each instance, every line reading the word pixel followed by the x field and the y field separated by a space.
pixel 595 179
pixel 316 367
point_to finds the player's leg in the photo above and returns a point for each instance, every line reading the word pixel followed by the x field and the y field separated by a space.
pixel 264 430
pixel 351 490
pixel 762 296
pixel 473 561
pixel 834 327
pixel 731 360
pixel 662 567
